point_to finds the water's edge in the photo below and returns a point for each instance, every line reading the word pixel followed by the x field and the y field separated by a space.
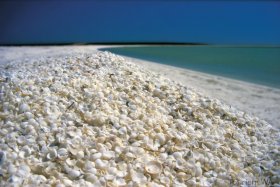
pixel 259 65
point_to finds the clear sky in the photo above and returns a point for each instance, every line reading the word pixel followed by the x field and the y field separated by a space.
pixel 214 22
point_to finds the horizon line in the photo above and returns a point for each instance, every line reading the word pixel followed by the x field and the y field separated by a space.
pixel 134 43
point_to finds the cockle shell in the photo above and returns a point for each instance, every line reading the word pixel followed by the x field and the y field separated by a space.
pixel 101 164
pixel 11 169
pixel 73 174
pixel 191 182
pixel 27 150
pixel 160 137
pixel 138 177
pixel 62 153
pixel 91 178
pixel 153 167
pixel 89 166
pixel 107 155
pixel 23 170
pixel 164 180
pixel 52 154
pixel 23 108
pixel 80 154
pixel 70 162
pixel 95 156
pixel 119 181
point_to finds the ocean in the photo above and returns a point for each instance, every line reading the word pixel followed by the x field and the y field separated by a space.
pixel 260 65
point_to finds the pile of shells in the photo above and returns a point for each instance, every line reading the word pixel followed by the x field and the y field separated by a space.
pixel 97 120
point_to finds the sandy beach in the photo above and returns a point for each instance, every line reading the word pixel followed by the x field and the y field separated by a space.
pixel 76 116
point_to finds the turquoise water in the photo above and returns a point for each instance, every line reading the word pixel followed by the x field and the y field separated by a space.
pixel 259 65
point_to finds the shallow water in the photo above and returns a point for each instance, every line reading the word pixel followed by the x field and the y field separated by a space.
pixel 259 65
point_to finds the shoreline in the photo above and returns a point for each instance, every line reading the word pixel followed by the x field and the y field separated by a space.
pixel 255 99
pixel 258 100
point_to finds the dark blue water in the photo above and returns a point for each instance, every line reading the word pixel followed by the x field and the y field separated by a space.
pixel 259 65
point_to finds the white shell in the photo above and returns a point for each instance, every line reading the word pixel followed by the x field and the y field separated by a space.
pixel 95 156
pixel 23 108
pixel 101 164
pixel 160 137
pixel 52 154
pixel 153 167
pixel 119 181
pixel 62 153
pixel 138 177
pixel 72 173
pixel 107 155
pixel 11 169
pixel 89 166
pixel 91 178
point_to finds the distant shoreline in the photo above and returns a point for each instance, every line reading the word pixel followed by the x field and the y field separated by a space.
pixel 105 43
pixel 127 44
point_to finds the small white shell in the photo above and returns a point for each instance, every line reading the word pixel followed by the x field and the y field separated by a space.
pixel 177 155
pixel 27 150
pixel 119 181
pixel 95 156
pixel 52 154
pixel 80 154
pixel 11 169
pixel 89 166
pixel 91 178
pixel 138 177
pixel 129 156
pixel 153 167
pixel 101 164
pixel 198 171
pixel 70 162
pixel 107 155
pixel 72 173
pixel 160 137
pixel 109 177
pixel 62 153
pixel 23 108
pixel 183 176
pixel 122 173
pixel 119 149
pixel 165 180
pixel 58 185
pixel 123 130
pixel 191 182
pixel 29 115
pixel 67 182
pixel 23 171
pixel 74 151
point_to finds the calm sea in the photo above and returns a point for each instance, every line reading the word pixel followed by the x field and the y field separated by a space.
pixel 259 65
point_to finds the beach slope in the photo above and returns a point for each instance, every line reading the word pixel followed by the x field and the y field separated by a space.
pixel 81 117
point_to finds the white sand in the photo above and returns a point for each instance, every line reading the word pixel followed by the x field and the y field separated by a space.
pixel 258 100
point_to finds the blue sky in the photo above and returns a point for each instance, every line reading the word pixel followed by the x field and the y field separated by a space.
pixel 214 22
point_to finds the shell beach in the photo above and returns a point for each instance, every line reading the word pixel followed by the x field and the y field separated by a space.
pixel 99 120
